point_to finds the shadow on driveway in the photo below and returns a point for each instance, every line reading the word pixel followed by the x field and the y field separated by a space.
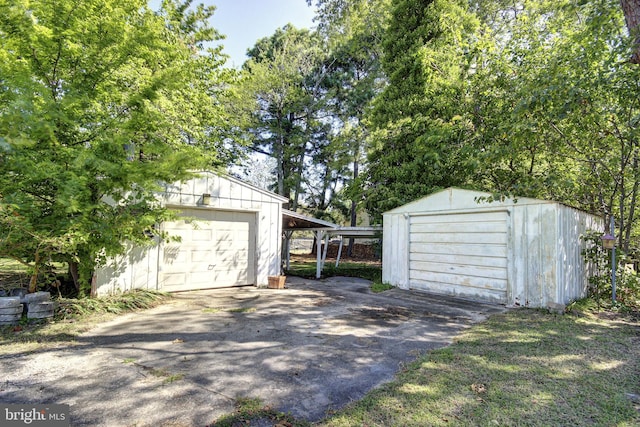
pixel 307 349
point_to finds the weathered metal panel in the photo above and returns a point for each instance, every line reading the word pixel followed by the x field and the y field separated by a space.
pixel 461 254
pixel 572 273
pixel 395 251
pixel 531 255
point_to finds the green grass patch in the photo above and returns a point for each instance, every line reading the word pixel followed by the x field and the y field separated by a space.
pixel 8 265
pixel 253 409
pixel 378 287
pixel 520 368
pixel 367 271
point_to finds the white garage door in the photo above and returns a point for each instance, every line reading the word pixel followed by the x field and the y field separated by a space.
pixel 217 249
pixel 460 254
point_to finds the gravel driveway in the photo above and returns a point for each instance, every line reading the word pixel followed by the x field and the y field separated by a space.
pixel 307 349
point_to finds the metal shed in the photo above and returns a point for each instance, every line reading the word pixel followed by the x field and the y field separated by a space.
pixel 229 236
pixel 516 252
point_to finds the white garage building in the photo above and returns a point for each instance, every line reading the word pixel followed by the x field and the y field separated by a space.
pixel 516 252
pixel 230 235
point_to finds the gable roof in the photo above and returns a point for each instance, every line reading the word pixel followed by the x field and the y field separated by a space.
pixel 235 180
pixel 454 198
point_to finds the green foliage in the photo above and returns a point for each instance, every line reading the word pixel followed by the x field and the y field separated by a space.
pixel 600 282
pixel 534 99
pixel 115 304
pixel 100 102
pixel 282 78
pixel 555 105
pixel 250 409
pixel 418 131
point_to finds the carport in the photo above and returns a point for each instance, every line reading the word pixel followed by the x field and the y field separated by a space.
pixel 322 230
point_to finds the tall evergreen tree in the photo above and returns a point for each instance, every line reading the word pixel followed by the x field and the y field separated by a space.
pixel 417 120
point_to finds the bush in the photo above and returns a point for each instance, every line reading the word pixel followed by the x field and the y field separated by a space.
pixel 136 299
pixel 600 284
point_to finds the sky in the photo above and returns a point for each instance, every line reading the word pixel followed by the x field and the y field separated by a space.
pixel 246 21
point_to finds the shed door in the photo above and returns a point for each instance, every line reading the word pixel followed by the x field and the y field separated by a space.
pixel 460 254
pixel 217 249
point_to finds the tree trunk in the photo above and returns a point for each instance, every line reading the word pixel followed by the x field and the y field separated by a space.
pixel 354 206
pixel 33 281
pixel 631 9
pixel 73 272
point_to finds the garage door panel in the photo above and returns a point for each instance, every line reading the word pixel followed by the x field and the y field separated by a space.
pixel 217 250
pixel 201 255
pixel 173 255
pixel 472 227
pixel 455 290
pixel 201 235
pixel 486 261
pixel 465 238
pixel 175 279
pixel 462 270
pixel 460 254
pixel 459 249
pixel 446 219
pixel 475 282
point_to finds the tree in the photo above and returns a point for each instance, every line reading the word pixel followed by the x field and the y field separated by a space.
pixel 418 131
pixel 283 77
pixel 100 102
pixel 354 30
pixel 631 9
pixel 555 109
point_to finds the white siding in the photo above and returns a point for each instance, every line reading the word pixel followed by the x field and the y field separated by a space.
pixel 573 273
pixel 395 250
pixel 135 270
pixel 520 252
pixel 227 194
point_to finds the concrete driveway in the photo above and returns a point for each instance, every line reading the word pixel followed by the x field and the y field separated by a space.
pixel 307 349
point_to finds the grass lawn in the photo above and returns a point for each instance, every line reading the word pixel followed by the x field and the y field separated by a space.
pixel 305 266
pixel 521 368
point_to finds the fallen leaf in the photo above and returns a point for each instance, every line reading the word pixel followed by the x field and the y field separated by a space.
pixel 178 341
pixel 478 388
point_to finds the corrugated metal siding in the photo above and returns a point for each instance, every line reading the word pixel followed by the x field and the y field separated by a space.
pixel 534 254
pixel 542 256
pixel 548 263
pixel 572 278
pixel 461 254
